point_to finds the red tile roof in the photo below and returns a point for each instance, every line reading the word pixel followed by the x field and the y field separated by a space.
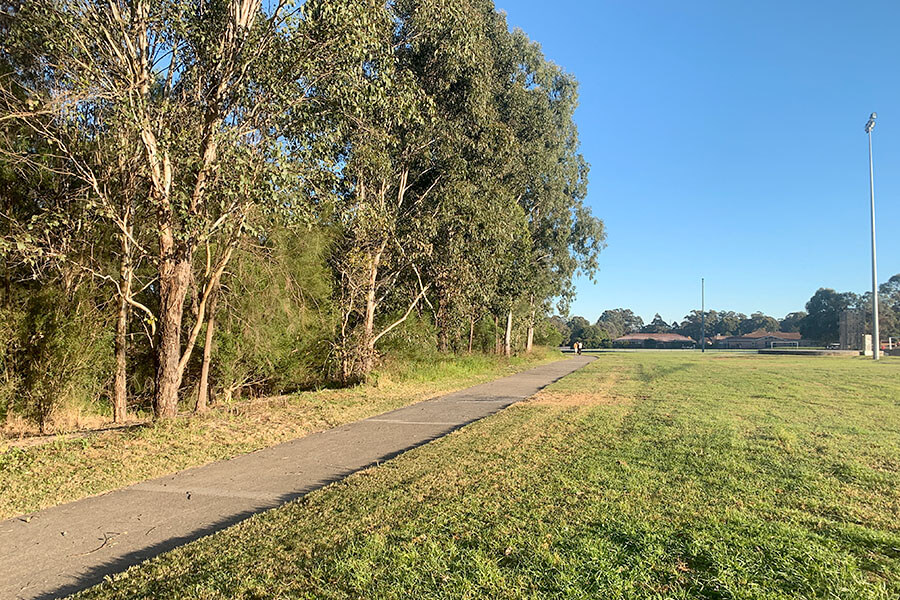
pixel 761 333
pixel 659 337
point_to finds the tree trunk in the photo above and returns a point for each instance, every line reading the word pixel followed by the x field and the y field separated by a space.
pixel 203 389
pixel 120 384
pixel 530 338
pixel 174 280
pixel 367 344
pixel 471 332
pixel 507 343
pixel 443 325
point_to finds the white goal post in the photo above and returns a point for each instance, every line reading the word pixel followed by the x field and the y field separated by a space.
pixel 785 345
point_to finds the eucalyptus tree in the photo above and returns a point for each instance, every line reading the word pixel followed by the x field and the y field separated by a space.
pixel 74 151
pixel 388 133
pixel 199 89
pixel 549 175
pixel 471 218
pixel 619 321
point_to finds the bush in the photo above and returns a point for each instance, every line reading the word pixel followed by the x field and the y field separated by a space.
pixel 63 357
pixel 275 318
pixel 545 334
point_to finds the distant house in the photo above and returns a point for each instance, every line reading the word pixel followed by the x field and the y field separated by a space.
pixel 653 340
pixel 761 339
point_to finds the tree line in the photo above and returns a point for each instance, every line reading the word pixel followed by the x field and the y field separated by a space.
pixel 203 198
pixel 820 321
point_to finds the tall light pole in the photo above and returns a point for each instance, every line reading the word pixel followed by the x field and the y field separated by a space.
pixel 876 340
pixel 702 315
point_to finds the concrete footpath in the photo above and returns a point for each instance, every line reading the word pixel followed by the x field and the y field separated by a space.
pixel 67 548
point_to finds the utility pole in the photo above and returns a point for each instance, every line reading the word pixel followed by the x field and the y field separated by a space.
pixel 702 315
pixel 876 340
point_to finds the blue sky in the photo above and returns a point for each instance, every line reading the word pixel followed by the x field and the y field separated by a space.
pixel 726 141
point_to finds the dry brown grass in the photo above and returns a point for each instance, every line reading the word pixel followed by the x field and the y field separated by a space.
pixel 602 393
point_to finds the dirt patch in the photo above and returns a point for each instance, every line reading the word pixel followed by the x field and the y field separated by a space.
pixel 578 399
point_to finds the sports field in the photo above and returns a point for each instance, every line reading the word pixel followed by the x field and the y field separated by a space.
pixel 645 475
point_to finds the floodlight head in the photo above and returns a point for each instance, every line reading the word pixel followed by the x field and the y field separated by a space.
pixel 871 124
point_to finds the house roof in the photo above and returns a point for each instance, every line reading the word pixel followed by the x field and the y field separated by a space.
pixel 762 333
pixel 659 337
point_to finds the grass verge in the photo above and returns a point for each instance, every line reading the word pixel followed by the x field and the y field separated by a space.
pixel 644 475
pixel 69 469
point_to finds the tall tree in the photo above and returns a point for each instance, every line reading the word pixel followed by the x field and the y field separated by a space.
pixel 758 322
pixel 824 309
pixel 791 322
pixel 549 175
pixel 620 321
pixel 657 325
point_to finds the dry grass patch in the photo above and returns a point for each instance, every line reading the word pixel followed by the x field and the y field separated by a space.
pixel 561 400
pixel 602 392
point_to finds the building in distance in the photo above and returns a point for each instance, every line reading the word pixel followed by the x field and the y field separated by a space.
pixel 762 339
pixel 654 340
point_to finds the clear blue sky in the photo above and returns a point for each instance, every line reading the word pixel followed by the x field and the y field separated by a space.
pixel 726 141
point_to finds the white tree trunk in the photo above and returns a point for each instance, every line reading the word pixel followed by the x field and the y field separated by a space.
pixel 507 343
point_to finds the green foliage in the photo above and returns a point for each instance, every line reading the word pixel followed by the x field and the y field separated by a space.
pixel 620 321
pixel 63 355
pixel 276 318
pixel 657 325
pixel 547 334
pixel 824 309
pixel 430 153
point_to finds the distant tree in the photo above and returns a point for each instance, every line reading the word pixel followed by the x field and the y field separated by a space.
pixel 548 334
pixel 657 325
pixel 888 308
pixel 620 321
pixel 791 322
pixel 889 297
pixel 758 321
pixel 729 323
pixel 561 326
pixel 691 325
pixel 593 336
pixel 576 326
pixel 824 312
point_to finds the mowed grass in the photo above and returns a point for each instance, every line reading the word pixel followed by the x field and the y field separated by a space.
pixel 644 475
pixel 32 478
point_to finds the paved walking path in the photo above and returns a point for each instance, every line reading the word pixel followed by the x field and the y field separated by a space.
pixel 70 547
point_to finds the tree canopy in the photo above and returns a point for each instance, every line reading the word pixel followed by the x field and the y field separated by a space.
pixel 418 157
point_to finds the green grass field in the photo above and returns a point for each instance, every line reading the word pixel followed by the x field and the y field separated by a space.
pixel 645 475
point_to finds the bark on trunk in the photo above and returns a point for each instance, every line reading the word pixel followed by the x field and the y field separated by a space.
pixel 530 338
pixel 507 343
pixel 203 389
pixel 367 346
pixel 443 325
pixel 174 280
pixel 120 386
pixel 471 332
pixel 120 383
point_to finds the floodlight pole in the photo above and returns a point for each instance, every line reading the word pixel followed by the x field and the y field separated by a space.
pixel 702 315
pixel 876 341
